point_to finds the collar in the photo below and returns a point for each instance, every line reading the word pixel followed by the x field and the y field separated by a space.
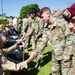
pixel 53 25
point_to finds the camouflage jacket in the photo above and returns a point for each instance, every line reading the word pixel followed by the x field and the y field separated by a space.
pixel 36 26
pixel 70 45
pixel 56 34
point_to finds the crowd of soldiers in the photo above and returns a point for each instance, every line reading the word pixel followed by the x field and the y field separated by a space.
pixel 38 30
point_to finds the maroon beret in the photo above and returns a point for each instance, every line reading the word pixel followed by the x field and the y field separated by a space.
pixel 41 11
pixel 11 17
pixel 69 12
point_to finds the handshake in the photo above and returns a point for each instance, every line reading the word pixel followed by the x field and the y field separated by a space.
pixel 33 55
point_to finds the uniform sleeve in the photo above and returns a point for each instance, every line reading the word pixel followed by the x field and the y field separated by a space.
pixel 68 40
pixel 24 27
pixel 8 50
pixel 29 32
pixel 41 27
pixel 11 66
pixel 41 24
pixel 69 46
pixel 39 33
pixel 65 27
pixel 41 45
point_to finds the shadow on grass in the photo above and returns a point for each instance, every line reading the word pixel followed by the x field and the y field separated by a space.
pixel 19 73
pixel 33 71
pixel 47 58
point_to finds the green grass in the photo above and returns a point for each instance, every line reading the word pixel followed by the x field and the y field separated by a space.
pixel 45 64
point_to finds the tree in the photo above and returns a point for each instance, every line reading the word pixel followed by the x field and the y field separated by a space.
pixel 25 9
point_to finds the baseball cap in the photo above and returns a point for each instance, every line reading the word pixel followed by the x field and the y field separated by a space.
pixel 69 12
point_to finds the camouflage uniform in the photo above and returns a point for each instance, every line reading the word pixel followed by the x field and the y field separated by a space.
pixel 70 52
pixel 10 21
pixel 36 30
pixel 24 25
pixel 27 30
pixel 9 66
pixel 56 33
pixel 20 24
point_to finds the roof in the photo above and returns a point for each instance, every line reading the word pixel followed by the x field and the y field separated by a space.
pixel 58 13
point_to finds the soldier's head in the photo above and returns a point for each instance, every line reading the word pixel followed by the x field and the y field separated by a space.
pixel 32 13
pixel 45 14
pixel 69 15
pixel 69 12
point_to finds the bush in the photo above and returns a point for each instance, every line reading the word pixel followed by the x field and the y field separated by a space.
pixel 3 21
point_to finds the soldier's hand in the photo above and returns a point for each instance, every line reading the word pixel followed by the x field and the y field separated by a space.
pixel 32 56
pixel 35 39
pixel 24 34
pixel 21 40
pixel 23 45
pixel 65 59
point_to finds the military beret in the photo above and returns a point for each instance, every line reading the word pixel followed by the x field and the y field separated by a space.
pixel 69 12
pixel 11 17
pixel 41 11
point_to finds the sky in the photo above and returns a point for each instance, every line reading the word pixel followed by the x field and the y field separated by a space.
pixel 13 7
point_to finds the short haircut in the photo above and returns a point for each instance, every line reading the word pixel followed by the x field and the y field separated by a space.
pixel 44 9
pixel 47 9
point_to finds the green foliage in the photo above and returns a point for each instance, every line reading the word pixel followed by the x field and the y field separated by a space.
pixel 0 17
pixel 3 21
pixel 25 9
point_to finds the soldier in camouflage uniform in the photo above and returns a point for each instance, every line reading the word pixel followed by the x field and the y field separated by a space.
pixel 10 21
pixel 36 32
pixel 26 30
pixel 56 31
pixel 37 26
pixel 19 24
pixel 69 15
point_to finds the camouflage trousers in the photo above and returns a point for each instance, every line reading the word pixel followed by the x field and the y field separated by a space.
pixel 59 67
pixel 27 42
pixel 34 43
pixel 71 71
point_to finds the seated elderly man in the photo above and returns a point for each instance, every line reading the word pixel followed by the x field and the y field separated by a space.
pixel 9 66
